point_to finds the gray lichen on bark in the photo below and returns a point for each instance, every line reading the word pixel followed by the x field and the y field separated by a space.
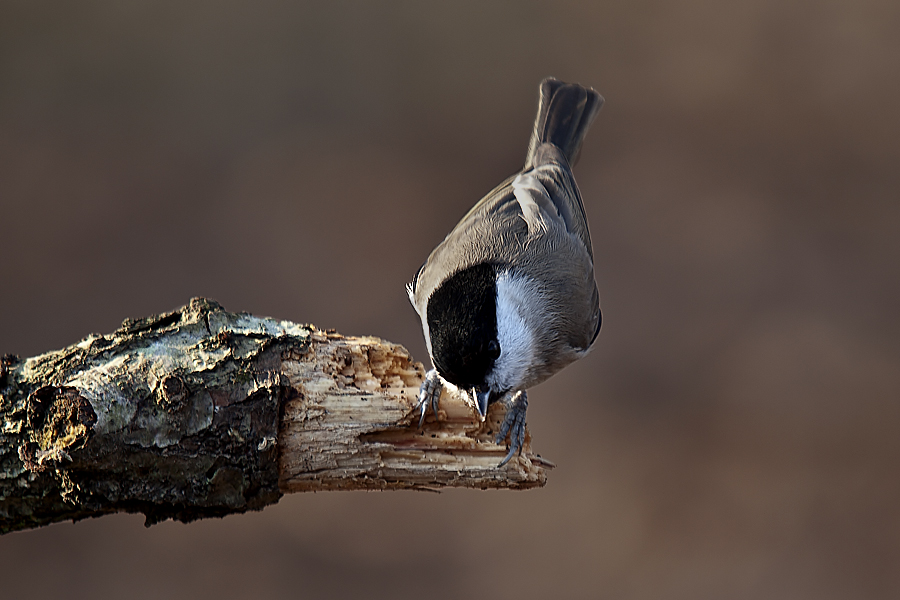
pixel 175 416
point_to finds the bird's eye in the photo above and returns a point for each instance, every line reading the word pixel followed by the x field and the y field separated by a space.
pixel 493 349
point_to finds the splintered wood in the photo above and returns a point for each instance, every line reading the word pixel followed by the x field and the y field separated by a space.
pixel 352 424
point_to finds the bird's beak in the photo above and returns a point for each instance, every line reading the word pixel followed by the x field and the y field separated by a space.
pixel 481 397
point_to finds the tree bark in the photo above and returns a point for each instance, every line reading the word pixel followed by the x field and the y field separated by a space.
pixel 203 413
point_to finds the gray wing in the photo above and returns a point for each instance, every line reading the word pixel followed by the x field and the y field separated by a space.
pixel 552 170
pixel 495 218
pixel 534 219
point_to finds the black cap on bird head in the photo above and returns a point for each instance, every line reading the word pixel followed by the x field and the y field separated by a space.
pixel 462 323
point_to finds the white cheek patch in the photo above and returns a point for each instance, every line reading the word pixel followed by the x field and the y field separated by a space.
pixel 516 341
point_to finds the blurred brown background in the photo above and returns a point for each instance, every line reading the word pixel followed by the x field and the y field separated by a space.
pixel 734 434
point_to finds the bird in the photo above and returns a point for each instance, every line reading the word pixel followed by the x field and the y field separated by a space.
pixel 509 297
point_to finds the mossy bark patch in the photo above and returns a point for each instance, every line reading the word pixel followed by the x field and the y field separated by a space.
pixel 175 416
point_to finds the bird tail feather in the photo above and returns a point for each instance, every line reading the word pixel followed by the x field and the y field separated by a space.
pixel 565 113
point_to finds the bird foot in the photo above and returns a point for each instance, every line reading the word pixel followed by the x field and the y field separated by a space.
pixel 430 394
pixel 513 424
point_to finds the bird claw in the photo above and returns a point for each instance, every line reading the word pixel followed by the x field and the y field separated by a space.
pixel 429 394
pixel 513 424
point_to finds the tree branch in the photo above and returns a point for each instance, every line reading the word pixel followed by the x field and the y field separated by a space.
pixel 202 413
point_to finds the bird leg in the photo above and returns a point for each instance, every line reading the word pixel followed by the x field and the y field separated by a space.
pixel 430 394
pixel 513 423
